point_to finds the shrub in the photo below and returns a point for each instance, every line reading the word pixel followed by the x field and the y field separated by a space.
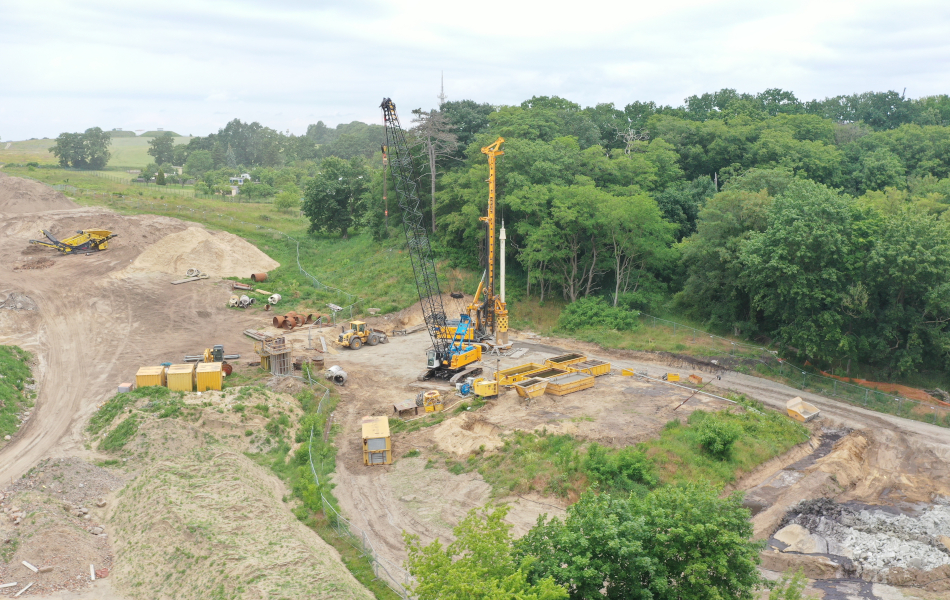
pixel 717 435
pixel 624 470
pixel 120 436
pixel 596 312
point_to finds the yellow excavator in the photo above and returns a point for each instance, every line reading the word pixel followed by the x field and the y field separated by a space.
pixel 84 242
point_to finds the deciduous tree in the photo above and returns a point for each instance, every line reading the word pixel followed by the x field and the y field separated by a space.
pixel 674 543
pixel 479 565
pixel 334 199
pixel 162 148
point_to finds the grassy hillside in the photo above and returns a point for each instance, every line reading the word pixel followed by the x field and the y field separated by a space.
pixel 127 152
pixel 27 151
pixel 151 134
pixel 14 395
pixel 132 153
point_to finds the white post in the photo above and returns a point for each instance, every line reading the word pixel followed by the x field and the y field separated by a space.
pixel 501 239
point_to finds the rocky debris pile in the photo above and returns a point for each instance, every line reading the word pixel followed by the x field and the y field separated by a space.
pixel 18 301
pixel 876 539
pixel 35 264
pixel 939 394
pixel 71 480
pixel 50 531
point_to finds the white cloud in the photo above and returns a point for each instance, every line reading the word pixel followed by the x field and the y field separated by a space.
pixel 191 66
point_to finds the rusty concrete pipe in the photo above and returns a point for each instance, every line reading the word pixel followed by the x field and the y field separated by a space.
pixel 279 321
pixel 259 277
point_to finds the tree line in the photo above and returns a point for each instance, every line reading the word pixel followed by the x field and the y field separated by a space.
pixel 818 225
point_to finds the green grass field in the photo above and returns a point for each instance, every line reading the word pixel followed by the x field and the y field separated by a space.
pixel 132 153
pixel 127 152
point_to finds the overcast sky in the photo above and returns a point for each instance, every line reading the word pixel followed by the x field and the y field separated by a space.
pixel 192 66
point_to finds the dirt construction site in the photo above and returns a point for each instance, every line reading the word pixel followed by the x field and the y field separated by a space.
pixel 863 507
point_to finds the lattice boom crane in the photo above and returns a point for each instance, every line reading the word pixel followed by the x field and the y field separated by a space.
pixel 449 358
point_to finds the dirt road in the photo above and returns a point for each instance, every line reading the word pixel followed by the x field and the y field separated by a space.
pixel 428 502
pixel 90 331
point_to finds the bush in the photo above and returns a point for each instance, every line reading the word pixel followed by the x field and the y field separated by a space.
pixel 623 470
pixel 596 312
pixel 119 437
pixel 717 435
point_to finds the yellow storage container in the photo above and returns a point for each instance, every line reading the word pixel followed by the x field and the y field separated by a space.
pixel 591 366
pixel 209 376
pixel 563 360
pixel 377 444
pixel 515 374
pixel 563 385
pixel 150 376
pixel 671 377
pixel 531 388
pixel 547 372
pixel 181 378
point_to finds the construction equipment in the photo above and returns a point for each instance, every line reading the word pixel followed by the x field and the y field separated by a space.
pixel 448 358
pixel 479 386
pixel 800 410
pixel 336 375
pixel 84 242
pixel 491 315
pixel 360 334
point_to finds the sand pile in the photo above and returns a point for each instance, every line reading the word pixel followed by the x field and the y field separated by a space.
pixel 218 254
pixel 466 434
pixel 19 196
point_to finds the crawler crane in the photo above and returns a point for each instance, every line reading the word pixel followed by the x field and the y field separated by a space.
pixel 450 357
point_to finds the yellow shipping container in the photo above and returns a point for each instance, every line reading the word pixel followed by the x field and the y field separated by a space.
pixel 150 376
pixel 181 378
pixel 377 445
pixel 209 376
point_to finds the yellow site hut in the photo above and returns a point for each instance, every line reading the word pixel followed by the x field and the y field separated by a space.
pixel 150 376
pixel 377 445
pixel 181 378
pixel 209 376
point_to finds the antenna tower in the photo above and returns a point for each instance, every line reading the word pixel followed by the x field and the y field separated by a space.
pixel 441 95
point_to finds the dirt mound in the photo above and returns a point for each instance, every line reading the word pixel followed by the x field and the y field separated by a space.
pixel 885 466
pixel 219 254
pixel 217 512
pixel 412 316
pixel 466 434
pixel 20 196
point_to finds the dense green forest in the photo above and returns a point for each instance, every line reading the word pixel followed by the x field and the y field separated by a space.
pixel 819 225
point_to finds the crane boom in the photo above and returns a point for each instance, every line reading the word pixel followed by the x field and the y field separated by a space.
pixel 448 355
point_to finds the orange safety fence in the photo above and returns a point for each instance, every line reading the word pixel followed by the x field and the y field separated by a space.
pixel 891 388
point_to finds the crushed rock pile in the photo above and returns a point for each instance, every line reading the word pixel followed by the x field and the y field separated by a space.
pixel 19 196
pixel 218 254
pixel 18 301
pixel 875 539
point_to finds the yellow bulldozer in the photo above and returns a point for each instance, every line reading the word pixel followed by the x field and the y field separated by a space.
pixel 84 242
pixel 359 334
